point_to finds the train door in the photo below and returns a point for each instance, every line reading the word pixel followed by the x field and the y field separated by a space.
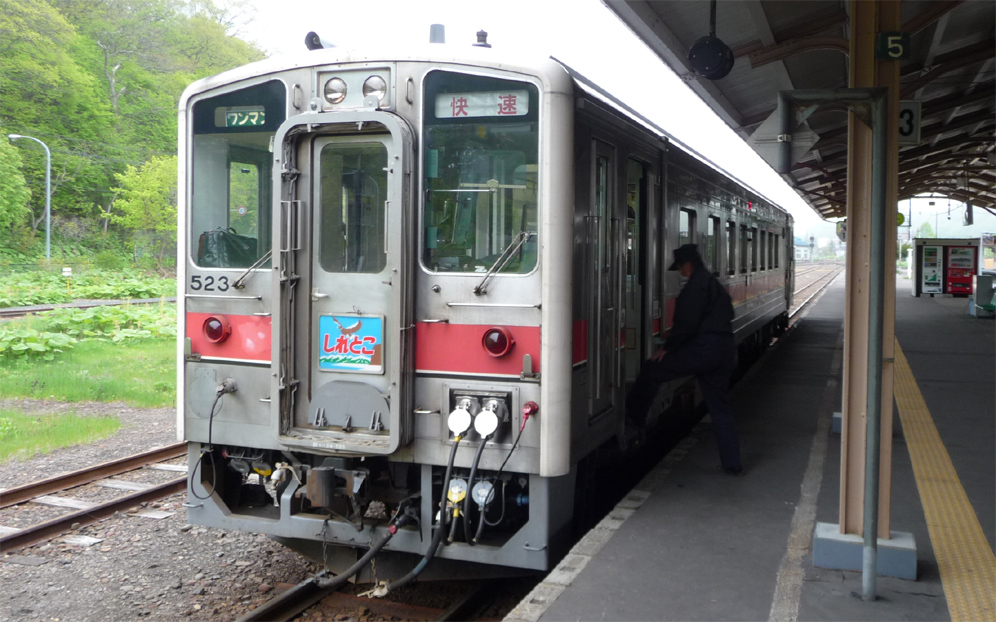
pixel 351 350
pixel 603 274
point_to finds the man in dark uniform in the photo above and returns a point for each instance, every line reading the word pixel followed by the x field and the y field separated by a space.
pixel 700 344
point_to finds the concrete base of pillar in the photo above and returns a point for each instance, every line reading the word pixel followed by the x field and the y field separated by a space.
pixel 836 551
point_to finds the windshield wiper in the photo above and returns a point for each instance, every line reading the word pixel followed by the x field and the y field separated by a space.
pixel 503 259
pixel 241 281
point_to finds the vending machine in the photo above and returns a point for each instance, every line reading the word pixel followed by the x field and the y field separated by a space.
pixel 961 263
pixel 943 267
pixel 931 270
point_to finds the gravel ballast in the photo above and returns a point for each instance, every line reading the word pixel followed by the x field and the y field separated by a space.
pixel 139 567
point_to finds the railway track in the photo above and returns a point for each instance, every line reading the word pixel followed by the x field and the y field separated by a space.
pixel 46 494
pixel 817 279
pixel 10 313
pixel 471 601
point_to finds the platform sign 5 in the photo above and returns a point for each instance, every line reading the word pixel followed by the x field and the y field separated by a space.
pixel 892 46
pixel 909 122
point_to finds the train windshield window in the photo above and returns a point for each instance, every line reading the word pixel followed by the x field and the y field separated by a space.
pixel 229 223
pixel 480 163
pixel 353 191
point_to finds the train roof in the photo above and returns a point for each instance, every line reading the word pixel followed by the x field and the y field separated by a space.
pixel 608 99
pixel 470 56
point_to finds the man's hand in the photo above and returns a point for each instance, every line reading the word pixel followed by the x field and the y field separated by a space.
pixel 658 355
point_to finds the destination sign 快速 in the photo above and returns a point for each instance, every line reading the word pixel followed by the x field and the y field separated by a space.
pixel 486 104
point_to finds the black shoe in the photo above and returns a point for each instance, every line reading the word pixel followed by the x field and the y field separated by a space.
pixel 733 471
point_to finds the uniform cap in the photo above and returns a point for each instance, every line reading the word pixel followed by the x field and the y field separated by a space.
pixel 684 254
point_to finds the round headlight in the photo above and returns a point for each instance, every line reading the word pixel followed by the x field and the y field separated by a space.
pixel 217 328
pixel 335 90
pixel 376 86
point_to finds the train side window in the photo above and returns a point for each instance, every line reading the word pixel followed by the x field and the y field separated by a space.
pixel 762 251
pixel 731 247
pixel 712 245
pixel 776 249
pixel 753 249
pixel 686 227
pixel 744 248
pixel 771 250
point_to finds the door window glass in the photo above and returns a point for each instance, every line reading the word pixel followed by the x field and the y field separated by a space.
pixel 351 210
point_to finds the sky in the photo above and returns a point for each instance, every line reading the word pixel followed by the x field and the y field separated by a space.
pixel 594 42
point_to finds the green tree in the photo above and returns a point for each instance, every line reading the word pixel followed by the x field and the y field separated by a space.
pixel 146 202
pixel 925 231
pixel 14 192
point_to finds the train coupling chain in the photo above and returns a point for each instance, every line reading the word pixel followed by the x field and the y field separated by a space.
pixel 379 591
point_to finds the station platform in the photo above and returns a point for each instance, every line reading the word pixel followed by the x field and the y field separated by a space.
pixel 692 543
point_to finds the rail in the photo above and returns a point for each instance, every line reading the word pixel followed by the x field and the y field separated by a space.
pixel 20 537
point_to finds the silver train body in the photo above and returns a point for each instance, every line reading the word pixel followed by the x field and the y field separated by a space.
pixel 386 256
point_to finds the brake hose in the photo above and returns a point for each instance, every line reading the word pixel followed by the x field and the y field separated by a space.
pixel 470 490
pixel 437 537
pixel 227 386
pixel 347 574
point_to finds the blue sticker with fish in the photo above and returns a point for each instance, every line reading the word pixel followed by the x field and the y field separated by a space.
pixel 351 343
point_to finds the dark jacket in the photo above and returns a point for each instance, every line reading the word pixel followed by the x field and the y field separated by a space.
pixel 703 306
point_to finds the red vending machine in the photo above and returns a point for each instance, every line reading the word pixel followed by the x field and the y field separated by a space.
pixel 960 262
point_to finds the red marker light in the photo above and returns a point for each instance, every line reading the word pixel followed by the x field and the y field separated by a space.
pixel 217 328
pixel 497 341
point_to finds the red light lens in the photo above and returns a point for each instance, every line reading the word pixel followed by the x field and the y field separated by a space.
pixel 217 329
pixel 497 341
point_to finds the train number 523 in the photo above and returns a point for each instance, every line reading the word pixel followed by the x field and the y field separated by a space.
pixel 209 283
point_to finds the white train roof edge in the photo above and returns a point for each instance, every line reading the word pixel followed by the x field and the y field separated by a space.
pixel 471 56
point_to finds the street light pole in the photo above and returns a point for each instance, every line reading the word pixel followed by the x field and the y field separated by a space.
pixel 48 193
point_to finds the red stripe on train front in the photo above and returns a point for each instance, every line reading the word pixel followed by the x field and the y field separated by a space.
pixel 249 340
pixel 458 348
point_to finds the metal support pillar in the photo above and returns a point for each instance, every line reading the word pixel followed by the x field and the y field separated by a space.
pixel 874 103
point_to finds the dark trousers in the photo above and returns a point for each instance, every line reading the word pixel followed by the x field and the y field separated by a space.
pixel 710 358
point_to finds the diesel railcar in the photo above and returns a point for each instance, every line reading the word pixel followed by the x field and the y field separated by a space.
pixel 415 286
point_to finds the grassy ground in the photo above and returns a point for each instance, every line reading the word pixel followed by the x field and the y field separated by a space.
pixel 26 435
pixel 141 373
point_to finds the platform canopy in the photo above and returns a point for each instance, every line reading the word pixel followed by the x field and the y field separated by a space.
pixel 948 84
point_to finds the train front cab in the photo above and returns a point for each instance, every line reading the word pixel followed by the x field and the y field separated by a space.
pixel 379 319
pixel 383 310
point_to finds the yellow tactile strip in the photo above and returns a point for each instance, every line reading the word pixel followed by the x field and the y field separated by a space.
pixel 965 561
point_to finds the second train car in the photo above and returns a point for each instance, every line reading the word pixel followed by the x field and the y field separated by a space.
pixel 415 287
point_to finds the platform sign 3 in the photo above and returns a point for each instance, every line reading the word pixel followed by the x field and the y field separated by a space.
pixel 909 122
